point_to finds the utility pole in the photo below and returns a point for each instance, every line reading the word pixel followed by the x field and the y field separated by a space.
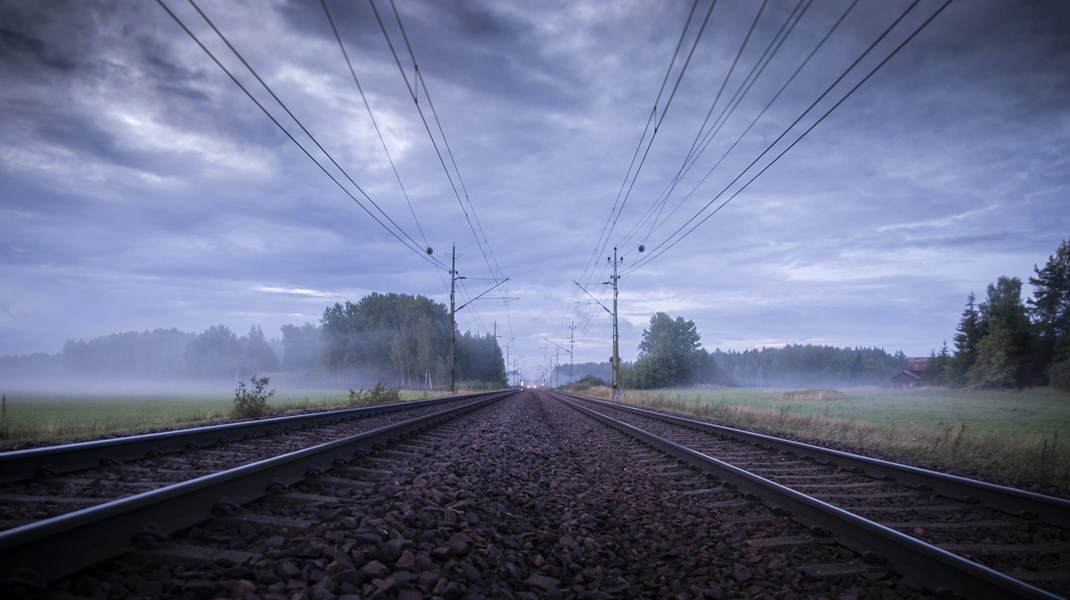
pixel 613 279
pixel 508 375
pixel 571 348
pixel 450 363
pixel 557 365
pixel 616 332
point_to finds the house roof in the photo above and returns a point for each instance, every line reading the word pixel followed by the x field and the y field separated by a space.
pixel 917 364
pixel 910 374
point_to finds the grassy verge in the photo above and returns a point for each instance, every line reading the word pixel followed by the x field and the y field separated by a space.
pixel 1021 435
pixel 50 418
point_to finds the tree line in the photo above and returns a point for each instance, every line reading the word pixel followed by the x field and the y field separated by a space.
pixel 999 342
pixel 398 339
pixel 405 339
pixel 1002 342
pixel 671 355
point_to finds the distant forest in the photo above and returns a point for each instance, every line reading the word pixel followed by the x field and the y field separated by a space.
pixel 1001 342
pixel 399 339
pixel 788 366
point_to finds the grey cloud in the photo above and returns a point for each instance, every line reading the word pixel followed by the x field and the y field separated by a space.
pixel 544 104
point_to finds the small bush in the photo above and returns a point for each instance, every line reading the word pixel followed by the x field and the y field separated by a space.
pixel 379 394
pixel 585 383
pixel 252 403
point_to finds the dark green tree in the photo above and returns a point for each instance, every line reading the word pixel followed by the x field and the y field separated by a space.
pixel 994 366
pixel 808 365
pixel 937 370
pixel 967 337
pixel 669 353
pixel 340 331
pixel 397 338
pixel 1049 308
pixel 479 359
pixel 1003 310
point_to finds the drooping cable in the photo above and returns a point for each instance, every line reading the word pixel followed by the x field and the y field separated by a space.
pixel 633 172
pixel 415 249
pixel 371 116
pixel 644 141
pixel 653 212
pixel 485 248
pixel 754 121
pixel 675 238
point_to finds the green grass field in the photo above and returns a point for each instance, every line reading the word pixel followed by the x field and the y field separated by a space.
pixel 1025 435
pixel 33 417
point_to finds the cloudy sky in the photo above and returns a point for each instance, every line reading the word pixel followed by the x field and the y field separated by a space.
pixel 140 187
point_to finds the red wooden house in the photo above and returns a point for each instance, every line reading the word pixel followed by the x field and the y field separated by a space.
pixel 911 377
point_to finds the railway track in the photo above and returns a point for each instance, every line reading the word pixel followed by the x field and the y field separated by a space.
pixel 137 493
pixel 523 495
pixel 970 537
pixel 519 499
pixel 45 482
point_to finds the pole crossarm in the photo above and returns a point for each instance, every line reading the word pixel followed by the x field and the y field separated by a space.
pixel 558 345
pixel 451 364
pixel 599 303
pixel 484 294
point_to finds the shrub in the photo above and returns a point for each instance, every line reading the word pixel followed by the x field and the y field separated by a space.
pixel 587 382
pixel 379 394
pixel 252 403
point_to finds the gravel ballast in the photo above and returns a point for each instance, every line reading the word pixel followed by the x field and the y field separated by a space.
pixel 526 499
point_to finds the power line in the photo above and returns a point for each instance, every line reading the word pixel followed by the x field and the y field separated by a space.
pixel 733 104
pixel 419 251
pixel 653 118
pixel 414 88
pixel 666 245
pixel 615 212
pixel 371 116
pixel 704 137
pixel 466 205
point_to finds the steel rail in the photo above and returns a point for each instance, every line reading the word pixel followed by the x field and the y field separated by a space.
pixel 19 465
pixel 1023 503
pixel 932 567
pixel 48 550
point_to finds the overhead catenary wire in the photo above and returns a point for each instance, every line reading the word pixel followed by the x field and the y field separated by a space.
pixel 703 137
pixel 671 241
pixel 414 86
pixel 466 205
pixel 371 116
pixel 736 100
pixel 633 170
pixel 378 131
pixel 393 231
pixel 653 119
pixel 667 244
